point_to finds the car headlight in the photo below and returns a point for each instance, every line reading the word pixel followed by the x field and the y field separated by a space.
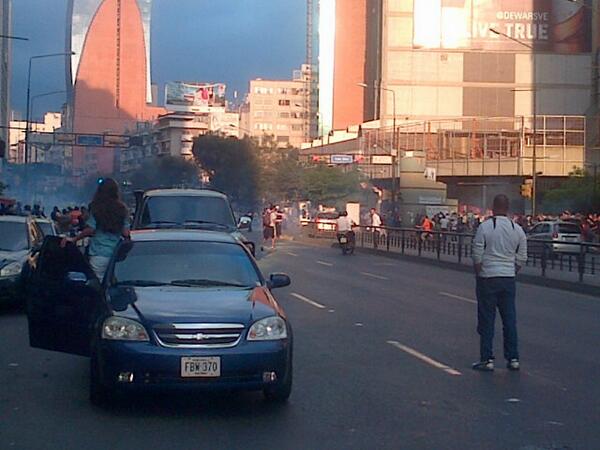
pixel 269 329
pixel 121 329
pixel 11 269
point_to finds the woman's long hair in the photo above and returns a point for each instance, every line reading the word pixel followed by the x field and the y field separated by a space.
pixel 107 208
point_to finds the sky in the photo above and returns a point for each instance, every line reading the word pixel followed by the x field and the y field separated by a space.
pixel 230 41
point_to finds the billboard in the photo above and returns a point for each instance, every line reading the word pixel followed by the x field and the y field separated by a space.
pixel 194 97
pixel 545 25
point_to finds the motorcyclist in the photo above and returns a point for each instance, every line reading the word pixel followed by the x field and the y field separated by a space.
pixel 344 227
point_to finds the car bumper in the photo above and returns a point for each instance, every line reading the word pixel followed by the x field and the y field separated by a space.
pixel 152 366
pixel 566 248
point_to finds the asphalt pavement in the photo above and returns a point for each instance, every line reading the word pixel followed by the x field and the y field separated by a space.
pixel 383 350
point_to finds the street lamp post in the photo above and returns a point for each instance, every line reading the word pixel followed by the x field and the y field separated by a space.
pixel 27 113
pixel 394 152
pixel 534 91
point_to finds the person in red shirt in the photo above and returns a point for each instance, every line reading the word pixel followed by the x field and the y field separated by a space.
pixel 427 227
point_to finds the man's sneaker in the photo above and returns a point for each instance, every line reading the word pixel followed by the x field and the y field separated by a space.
pixel 484 366
pixel 513 364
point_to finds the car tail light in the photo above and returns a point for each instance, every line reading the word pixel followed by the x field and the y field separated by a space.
pixel 555 235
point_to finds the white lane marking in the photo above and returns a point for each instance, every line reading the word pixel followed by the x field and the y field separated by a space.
pixel 291 253
pixel 372 275
pixel 323 263
pixel 308 300
pixel 432 362
pixel 458 297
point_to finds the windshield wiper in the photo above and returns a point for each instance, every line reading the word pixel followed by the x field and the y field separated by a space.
pixel 141 283
pixel 203 282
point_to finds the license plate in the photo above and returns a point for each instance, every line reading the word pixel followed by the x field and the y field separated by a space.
pixel 343 240
pixel 197 366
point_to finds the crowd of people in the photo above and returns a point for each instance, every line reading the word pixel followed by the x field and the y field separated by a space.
pixel 469 223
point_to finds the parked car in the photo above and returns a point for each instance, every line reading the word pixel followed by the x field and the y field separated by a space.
pixel 20 238
pixel 201 209
pixel 565 237
pixel 177 308
pixel 326 221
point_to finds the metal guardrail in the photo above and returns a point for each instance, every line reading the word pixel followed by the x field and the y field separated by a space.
pixel 584 258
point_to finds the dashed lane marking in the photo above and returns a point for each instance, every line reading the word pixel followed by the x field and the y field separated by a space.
pixel 372 275
pixel 308 300
pixel 324 263
pixel 432 362
pixel 458 297
pixel 291 253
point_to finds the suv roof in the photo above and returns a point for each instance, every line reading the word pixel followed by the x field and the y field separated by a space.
pixel 184 192
pixel 182 235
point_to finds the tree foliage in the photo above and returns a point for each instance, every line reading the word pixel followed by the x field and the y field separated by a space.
pixel 232 166
pixel 165 171
pixel 575 194
pixel 330 185
pixel 281 174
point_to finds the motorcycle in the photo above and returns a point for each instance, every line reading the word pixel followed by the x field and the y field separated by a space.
pixel 346 241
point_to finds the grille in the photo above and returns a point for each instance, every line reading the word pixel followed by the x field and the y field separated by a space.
pixel 199 335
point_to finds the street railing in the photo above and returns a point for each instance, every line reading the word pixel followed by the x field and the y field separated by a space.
pixel 548 256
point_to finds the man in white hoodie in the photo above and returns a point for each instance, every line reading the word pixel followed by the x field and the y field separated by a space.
pixel 499 252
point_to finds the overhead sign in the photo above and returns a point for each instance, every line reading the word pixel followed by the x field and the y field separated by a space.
pixel 194 97
pixel 381 159
pixel 547 26
pixel 116 141
pixel 64 138
pixel 89 140
pixel 342 159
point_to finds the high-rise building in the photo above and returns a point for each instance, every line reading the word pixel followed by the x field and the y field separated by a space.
pixel 5 56
pixel 275 111
pixel 349 39
pixel 108 77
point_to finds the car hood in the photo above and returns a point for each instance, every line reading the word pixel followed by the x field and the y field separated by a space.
pixel 7 257
pixel 164 305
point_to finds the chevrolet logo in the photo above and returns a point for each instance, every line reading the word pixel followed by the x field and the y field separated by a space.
pixel 200 336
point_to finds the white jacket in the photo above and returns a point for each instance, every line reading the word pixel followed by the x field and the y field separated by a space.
pixel 498 245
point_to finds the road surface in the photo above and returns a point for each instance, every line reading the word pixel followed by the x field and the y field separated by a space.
pixel 383 350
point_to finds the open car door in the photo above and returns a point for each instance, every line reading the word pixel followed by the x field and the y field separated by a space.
pixel 64 299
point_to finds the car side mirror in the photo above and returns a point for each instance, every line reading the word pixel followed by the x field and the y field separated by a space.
pixel 121 297
pixel 78 278
pixel 243 224
pixel 279 280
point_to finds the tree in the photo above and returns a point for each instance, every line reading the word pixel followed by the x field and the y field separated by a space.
pixel 232 166
pixel 281 174
pixel 575 194
pixel 330 185
pixel 165 172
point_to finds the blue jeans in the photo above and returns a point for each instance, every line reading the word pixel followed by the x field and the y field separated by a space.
pixel 498 293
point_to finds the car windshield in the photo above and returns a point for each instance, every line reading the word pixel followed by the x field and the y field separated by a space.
pixel 46 228
pixel 186 263
pixel 569 228
pixel 189 211
pixel 13 237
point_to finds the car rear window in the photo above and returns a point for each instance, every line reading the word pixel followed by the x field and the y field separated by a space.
pixel 569 228
pixel 329 216
pixel 179 210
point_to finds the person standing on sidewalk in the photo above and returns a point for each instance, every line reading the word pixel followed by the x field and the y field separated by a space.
pixel 499 252
pixel 375 226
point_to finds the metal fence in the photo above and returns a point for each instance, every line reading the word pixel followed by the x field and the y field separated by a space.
pixel 582 259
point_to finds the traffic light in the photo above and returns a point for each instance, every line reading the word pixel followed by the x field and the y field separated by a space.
pixel 527 189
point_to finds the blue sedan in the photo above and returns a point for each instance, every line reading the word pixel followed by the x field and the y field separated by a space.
pixel 183 309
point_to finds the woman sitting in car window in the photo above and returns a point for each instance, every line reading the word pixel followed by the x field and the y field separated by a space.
pixel 106 225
